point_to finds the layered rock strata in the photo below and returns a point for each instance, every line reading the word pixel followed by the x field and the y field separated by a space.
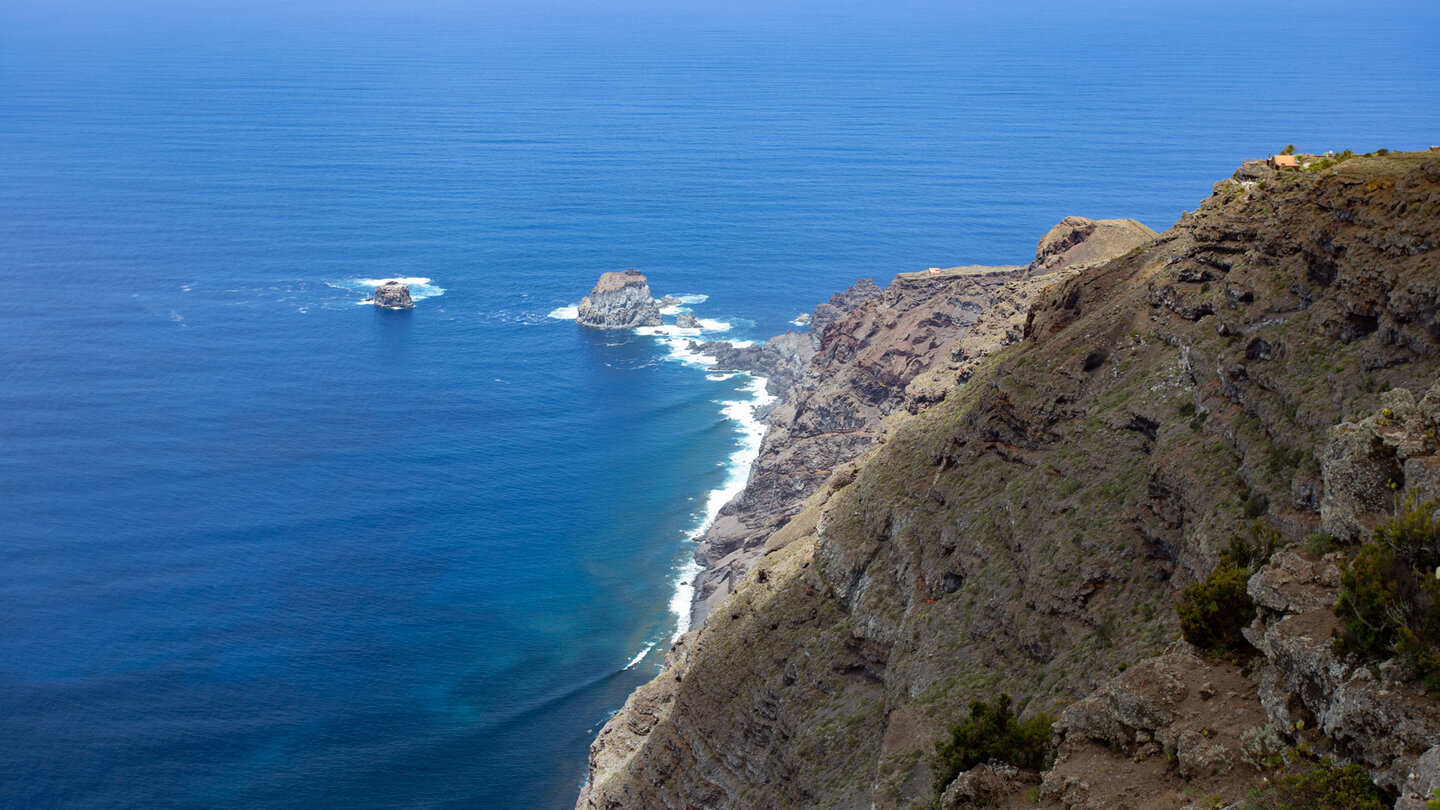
pixel 619 301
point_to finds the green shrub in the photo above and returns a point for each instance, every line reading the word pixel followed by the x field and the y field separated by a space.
pixel 1252 547
pixel 992 732
pixel 1389 601
pixel 1256 504
pixel 1213 611
pixel 1321 786
pixel 1320 543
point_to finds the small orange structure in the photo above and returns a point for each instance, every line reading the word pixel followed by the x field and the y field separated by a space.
pixel 934 271
pixel 1283 162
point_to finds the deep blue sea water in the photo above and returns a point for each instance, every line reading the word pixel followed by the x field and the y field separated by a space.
pixel 263 546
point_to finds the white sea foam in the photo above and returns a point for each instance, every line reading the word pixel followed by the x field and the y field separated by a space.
pixel 640 656
pixel 566 313
pixel 420 288
pixel 744 413
pixel 712 325
pixel 751 429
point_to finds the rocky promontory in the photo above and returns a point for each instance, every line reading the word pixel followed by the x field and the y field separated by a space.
pixel 1003 481
pixel 619 301
pixel 393 295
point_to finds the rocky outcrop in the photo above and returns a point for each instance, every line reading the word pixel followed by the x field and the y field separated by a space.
pixel 619 301
pixel 1169 723
pixel 780 360
pixel 393 295
pixel 687 321
pixel 984 785
pixel 1368 463
pixel 1023 524
pixel 1079 241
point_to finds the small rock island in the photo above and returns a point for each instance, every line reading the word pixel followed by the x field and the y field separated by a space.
pixel 620 301
pixel 393 295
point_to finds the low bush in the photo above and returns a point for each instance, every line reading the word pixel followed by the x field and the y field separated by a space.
pixel 994 733
pixel 1320 786
pixel 1213 611
pixel 1389 601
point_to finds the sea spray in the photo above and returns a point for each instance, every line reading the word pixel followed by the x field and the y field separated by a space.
pixel 420 288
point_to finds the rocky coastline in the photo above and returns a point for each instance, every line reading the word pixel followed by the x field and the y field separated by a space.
pixel 987 479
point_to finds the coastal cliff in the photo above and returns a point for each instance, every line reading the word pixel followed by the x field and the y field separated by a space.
pixel 1008 477
pixel 872 352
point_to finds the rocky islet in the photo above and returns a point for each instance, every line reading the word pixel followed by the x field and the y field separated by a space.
pixel 393 294
pixel 619 301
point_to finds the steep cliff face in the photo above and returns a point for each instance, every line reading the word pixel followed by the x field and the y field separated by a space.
pixel 1028 532
pixel 875 352
pixel 619 301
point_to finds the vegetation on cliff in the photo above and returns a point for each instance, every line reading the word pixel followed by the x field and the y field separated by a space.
pixel 993 734
pixel 1390 595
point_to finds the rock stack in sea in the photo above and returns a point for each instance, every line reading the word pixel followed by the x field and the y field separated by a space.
pixel 619 301
pixel 393 295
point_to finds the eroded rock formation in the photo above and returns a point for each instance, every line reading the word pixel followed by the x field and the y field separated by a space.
pixel 619 301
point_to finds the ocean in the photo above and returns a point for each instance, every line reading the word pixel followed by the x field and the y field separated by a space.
pixel 263 545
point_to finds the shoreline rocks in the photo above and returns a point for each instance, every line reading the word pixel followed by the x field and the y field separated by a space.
pixel 619 301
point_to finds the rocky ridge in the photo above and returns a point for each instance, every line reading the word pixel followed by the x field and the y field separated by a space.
pixel 1021 521
pixel 619 301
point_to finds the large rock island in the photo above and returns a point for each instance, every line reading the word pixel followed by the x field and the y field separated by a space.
pixel 620 301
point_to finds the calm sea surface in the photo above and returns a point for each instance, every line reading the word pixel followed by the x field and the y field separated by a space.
pixel 262 545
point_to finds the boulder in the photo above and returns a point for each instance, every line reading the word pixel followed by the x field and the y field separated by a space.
pixel 983 786
pixel 1077 240
pixel 619 301
pixel 393 295
pixel 687 321
pixel 1366 463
